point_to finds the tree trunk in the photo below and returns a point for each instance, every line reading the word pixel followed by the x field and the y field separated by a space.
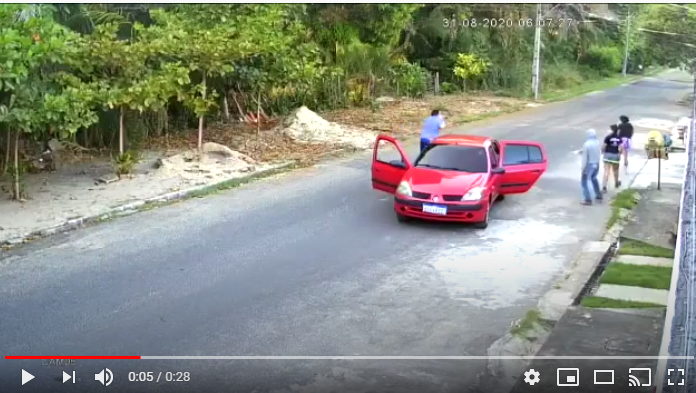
pixel 239 107
pixel 258 113
pixel 226 108
pixel 202 117
pixel 121 130
pixel 17 194
pixel 7 152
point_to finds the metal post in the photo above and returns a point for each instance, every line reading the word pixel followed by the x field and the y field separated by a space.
pixel 628 35
pixel 537 50
pixel 659 167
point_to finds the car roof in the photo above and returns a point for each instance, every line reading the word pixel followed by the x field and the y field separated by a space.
pixel 466 140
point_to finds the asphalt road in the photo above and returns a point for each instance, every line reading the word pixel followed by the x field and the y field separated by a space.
pixel 310 263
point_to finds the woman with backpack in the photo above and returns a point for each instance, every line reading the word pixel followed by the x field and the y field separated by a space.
pixel 611 150
pixel 626 134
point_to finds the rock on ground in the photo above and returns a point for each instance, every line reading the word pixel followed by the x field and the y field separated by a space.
pixel 308 127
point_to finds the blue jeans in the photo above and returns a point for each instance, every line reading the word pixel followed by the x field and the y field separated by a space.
pixel 590 175
pixel 424 144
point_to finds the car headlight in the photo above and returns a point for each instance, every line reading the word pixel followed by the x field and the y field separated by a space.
pixel 475 194
pixel 404 189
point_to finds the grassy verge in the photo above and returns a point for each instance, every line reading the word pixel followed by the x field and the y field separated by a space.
pixel 526 324
pixel 637 247
pixel 656 277
pixel 603 302
pixel 590 86
pixel 626 199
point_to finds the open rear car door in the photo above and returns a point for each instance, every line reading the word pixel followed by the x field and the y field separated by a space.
pixel 524 163
pixel 389 164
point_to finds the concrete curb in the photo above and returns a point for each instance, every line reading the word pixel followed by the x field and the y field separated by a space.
pixel 132 207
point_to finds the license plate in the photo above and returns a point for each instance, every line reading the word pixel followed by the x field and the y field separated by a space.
pixel 435 209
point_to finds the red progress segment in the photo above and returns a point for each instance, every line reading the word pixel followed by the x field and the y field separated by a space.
pixel 71 357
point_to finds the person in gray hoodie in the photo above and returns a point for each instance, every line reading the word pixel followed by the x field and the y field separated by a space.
pixel 591 154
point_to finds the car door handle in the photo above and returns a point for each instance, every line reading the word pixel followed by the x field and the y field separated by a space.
pixel 536 170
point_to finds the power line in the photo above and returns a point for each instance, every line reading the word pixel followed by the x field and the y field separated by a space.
pixel 667 33
pixel 681 6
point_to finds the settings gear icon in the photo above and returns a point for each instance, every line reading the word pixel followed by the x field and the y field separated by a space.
pixel 531 377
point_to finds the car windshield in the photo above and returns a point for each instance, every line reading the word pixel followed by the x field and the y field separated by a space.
pixel 454 158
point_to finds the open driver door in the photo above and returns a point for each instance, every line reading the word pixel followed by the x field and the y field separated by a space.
pixel 389 164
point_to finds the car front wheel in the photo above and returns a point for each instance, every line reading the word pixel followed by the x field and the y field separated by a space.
pixel 484 224
pixel 401 218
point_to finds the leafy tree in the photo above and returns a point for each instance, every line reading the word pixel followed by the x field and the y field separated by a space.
pixel 209 40
pixel 112 65
pixel 129 75
pixel 669 31
pixel 469 67
pixel 32 97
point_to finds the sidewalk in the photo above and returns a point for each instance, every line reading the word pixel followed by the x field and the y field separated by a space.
pixel 621 312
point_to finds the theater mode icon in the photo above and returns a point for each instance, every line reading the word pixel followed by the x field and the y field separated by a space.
pixel 603 377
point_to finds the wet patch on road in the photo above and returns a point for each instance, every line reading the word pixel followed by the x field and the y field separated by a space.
pixel 513 259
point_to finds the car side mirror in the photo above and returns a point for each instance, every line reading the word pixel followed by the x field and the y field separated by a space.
pixel 498 171
pixel 398 164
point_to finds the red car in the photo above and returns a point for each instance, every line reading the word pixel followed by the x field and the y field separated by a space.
pixel 457 177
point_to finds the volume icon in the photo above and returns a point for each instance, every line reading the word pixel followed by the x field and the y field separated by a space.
pixel 105 377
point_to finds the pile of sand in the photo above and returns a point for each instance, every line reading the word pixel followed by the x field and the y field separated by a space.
pixel 216 161
pixel 308 127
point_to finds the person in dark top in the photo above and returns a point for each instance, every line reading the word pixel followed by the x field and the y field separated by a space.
pixel 612 148
pixel 625 133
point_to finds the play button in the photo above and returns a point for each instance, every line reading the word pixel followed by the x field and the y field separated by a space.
pixel 26 377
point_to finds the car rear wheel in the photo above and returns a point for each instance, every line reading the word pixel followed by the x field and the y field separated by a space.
pixel 500 198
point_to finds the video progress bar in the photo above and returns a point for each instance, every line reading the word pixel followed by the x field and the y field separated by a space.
pixel 353 357
pixel 415 357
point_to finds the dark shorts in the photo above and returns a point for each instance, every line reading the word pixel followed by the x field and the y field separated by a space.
pixel 612 158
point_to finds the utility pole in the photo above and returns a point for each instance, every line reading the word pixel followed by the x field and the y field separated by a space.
pixel 628 35
pixel 537 49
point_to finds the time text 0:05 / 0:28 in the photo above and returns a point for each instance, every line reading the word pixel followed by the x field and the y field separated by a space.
pixel 150 376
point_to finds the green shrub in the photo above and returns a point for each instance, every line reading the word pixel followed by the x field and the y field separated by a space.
pixel 562 76
pixel 125 163
pixel 605 59
pixel 412 79
pixel 448 88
